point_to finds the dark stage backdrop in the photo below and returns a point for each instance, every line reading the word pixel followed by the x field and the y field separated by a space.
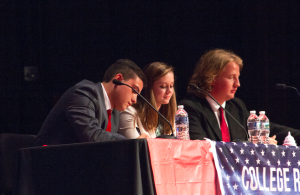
pixel 73 40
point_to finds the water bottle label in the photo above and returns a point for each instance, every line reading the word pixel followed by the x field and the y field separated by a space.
pixel 182 120
pixel 254 125
pixel 265 125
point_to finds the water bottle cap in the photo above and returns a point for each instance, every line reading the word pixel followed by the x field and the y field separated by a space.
pixel 252 111
pixel 262 112
pixel 180 107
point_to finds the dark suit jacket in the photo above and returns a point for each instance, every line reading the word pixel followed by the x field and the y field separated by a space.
pixel 203 122
pixel 79 116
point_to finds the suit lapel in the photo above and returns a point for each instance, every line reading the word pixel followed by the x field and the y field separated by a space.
pixel 211 118
pixel 232 125
pixel 115 121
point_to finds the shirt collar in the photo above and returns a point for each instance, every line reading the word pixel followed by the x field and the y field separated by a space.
pixel 106 99
pixel 215 107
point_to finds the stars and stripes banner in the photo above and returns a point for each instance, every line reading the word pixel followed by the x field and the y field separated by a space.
pixel 246 168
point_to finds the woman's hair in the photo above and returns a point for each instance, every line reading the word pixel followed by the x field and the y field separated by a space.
pixel 148 117
pixel 210 65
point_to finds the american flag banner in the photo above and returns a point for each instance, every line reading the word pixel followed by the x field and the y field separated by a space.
pixel 248 169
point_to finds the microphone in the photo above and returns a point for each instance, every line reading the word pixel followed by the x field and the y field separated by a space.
pixel 117 82
pixel 236 140
pixel 283 86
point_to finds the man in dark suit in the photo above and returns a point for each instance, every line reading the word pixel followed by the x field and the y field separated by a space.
pixel 217 73
pixel 82 113
pixel 203 122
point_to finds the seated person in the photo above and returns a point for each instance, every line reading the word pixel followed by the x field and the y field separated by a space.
pixel 89 112
pixel 217 73
pixel 141 118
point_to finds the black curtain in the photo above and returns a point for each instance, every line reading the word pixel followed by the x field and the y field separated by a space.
pixel 73 40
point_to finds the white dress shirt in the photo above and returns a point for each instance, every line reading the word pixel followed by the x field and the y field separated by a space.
pixel 106 99
pixel 215 107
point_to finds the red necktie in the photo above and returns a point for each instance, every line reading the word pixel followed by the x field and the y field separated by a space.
pixel 224 128
pixel 109 122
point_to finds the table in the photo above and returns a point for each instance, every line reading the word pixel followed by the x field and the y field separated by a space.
pixel 119 167
pixel 114 167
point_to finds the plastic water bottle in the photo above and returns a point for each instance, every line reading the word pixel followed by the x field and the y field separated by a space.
pixel 254 128
pixel 264 127
pixel 182 124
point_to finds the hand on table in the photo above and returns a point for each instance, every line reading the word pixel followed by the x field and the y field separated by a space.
pixel 144 135
pixel 272 140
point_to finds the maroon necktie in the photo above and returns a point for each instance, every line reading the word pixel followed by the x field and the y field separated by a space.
pixel 224 128
pixel 109 122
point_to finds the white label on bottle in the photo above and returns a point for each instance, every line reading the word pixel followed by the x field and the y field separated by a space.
pixel 254 125
pixel 265 125
pixel 182 120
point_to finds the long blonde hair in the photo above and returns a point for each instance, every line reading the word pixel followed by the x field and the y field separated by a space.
pixel 210 65
pixel 148 117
